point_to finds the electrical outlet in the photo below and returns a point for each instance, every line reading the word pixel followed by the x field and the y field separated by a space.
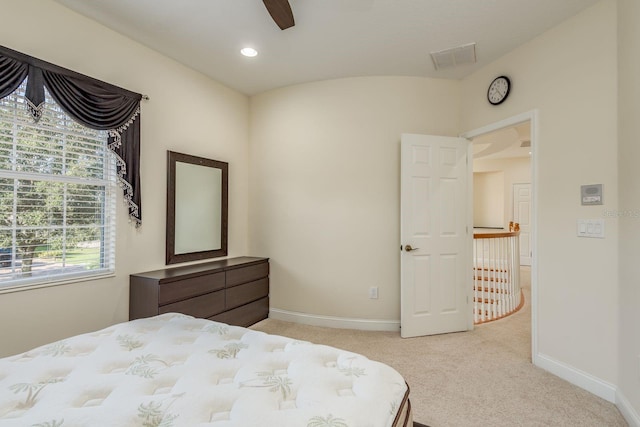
pixel 373 292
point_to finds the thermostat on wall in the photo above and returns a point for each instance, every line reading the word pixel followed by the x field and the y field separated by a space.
pixel 591 194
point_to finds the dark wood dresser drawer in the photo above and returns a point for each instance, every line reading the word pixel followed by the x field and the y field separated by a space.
pixel 233 291
pixel 201 306
pixel 187 288
pixel 243 294
pixel 247 274
pixel 245 315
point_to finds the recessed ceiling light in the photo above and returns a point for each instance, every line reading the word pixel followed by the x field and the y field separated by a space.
pixel 249 51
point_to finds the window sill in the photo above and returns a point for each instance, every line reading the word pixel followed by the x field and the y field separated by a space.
pixel 66 281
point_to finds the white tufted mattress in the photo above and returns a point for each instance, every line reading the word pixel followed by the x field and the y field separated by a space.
pixel 175 370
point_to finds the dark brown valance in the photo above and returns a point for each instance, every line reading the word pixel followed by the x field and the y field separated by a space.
pixel 93 103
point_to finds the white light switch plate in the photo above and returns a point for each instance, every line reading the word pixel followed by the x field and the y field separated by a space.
pixel 591 228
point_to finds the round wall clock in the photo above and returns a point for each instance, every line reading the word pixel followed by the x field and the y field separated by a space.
pixel 499 90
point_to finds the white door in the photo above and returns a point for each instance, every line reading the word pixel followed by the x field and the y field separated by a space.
pixel 436 231
pixel 522 215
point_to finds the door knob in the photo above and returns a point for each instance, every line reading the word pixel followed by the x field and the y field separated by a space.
pixel 408 248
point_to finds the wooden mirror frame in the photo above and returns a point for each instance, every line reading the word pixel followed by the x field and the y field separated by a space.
pixel 171 256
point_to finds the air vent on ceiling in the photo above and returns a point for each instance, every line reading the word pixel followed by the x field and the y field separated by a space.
pixel 525 144
pixel 465 54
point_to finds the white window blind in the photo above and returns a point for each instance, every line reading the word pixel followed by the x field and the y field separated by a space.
pixel 57 197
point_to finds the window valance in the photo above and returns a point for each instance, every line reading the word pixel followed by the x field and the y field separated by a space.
pixel 93 103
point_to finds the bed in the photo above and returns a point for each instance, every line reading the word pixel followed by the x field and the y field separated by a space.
pixel 176 370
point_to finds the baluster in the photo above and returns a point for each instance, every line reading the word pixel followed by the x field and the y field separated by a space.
pixel 496 282
pixel 488 281
pixel 485 248
pixel 507 274
pixel 502 281
pixel 516 258
pixel 475 280
pixel 511 265
pixel 494 250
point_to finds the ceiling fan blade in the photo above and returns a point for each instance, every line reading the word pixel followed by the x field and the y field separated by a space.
pixel 280 11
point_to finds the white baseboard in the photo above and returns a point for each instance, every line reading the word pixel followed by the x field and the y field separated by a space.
pixel 334 322
pixel 627 410
pixel 577 377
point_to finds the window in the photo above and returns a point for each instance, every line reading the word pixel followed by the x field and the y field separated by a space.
pixel 57 196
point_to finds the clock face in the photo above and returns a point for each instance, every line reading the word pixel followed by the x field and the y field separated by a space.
pixel 498 90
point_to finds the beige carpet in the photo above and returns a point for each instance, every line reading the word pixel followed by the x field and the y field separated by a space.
pixel 478 378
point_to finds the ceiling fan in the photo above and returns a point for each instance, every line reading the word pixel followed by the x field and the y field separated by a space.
pixel 280 11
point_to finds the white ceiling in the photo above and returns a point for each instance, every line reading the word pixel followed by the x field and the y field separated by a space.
pixel 331 38
pixel 504 143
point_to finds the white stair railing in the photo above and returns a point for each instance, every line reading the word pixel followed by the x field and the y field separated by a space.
pixel 496 275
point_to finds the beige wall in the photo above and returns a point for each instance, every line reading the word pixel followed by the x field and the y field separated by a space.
pixel 569 74
pixel 325 187
pixel 629 205
pixel 515 170
pixel 488 199
pixel 187 113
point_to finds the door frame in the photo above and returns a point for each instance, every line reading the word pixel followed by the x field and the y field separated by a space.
pixel 532 117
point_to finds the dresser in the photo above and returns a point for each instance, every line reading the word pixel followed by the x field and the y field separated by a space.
pixel 233 291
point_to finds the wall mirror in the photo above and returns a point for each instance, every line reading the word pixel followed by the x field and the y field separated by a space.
pixel 197 208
